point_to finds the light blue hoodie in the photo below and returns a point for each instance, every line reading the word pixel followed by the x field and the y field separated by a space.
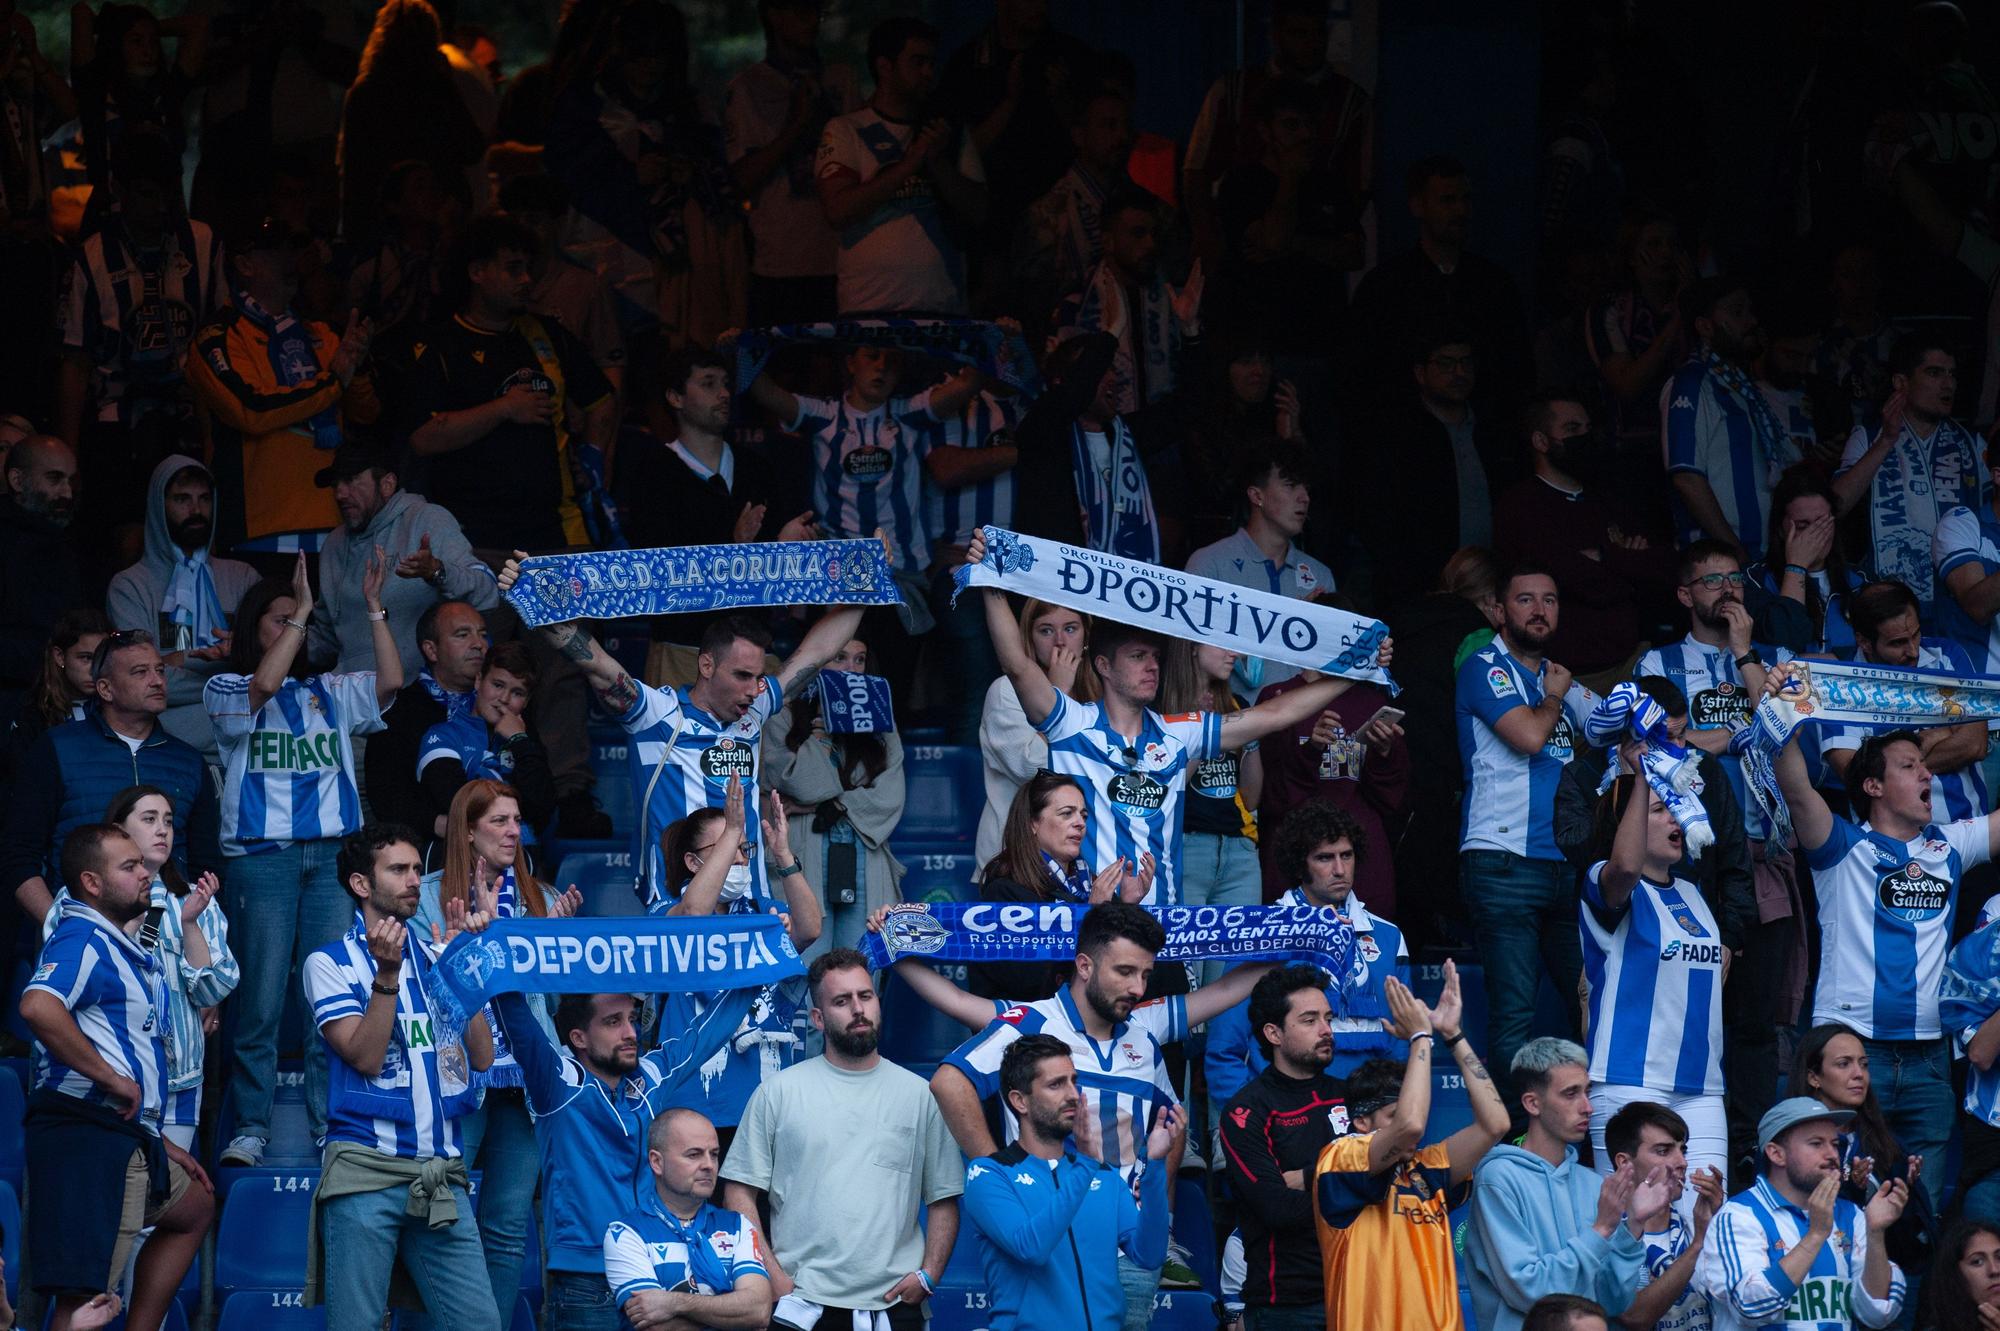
pixel 1530 1235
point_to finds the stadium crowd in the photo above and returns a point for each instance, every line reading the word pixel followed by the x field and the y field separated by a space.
pixel 1663 1002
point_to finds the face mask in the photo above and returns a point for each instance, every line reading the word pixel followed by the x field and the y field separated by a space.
pixel 736 884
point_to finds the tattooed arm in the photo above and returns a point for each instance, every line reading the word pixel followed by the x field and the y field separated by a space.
pixel 608 680
pixel 1469 1145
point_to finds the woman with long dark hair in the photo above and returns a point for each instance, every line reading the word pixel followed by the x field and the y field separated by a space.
pixel 1963 1292
pixel 63 689
pixel 1831 1066
pixel 1804 561
pixel 286 738
pixel 1040 860
pixel 122 79
pixel 1219 815
pixel 843 796
pixel 403 107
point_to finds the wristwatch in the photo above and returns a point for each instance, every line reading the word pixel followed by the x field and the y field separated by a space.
pixel 796 866
pixel 436 579
pixel 1749 658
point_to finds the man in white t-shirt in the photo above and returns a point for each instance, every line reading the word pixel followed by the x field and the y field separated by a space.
pixel 886 183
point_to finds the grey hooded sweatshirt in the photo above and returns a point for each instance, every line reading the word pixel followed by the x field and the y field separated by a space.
pixel 133 602
pixel 339 629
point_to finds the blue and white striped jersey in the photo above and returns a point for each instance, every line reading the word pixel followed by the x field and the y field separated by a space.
pixel 652 1248
pixel 1967 536
pixel 771 1037
pixel 288 769
pixel 1717 700
pixel 1654 971
pixel 1133 786
pixel 1738 1268
pixel 1122 1081
pixel 682 759
pixel 953 515
pixel 134 313
pixel 1954 795
pixel 426 1075
pixel 1885 916
pixel 1706 430
pixel 1690 1312
pixel 1982 1085
pixel 1510 797
pixel 117 993
pixel 866 471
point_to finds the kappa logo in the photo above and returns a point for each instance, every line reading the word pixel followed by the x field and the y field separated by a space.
pixel 1095 1183
pixel 974 1171
pixel 1025 1179
pixel 1681 403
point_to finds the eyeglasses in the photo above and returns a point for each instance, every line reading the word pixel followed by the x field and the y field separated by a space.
pixel 1716 581
pixel 1450 363
pixel 748 849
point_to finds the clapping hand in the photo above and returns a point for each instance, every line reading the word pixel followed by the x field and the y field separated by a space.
pixel 1614 1196
pixel 1138 884
pixel 1885 1208
pixel 1105 882
pixel 200 892
pixel 1708 1196
pixel 385 945
pixel 748 523
pixel 1450 1008
pixel 1169 1129
pixel 568 905
pixel 1286 397
pixel 1650 1198
pixel 1819 1206
pixel 372 579
pixel 302 592
pixel 777 829
pixel 459 918
pixel 420 563
pixel 1187 300
pixel 1087 1132
pixel 1407 1017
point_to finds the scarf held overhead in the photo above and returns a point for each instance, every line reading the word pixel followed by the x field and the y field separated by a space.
pixel 991 931
pixel 855 704
pixel 1181 605
pixel 620 954
pixel 619 584
pixel 1671 772
pixel 1001 354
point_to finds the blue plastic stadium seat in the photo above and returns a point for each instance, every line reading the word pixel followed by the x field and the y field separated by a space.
pixel 614 778
pixel 914 1032
pixel 1183 1310
pixel 1195 1228
pixel 605 877
pixel 262 1241
pixel 13 1137
pixel 938 872
pixel 175 1320
pixel 19 1067
pixel 943 792
pixel 10 1239
pixel 278 1309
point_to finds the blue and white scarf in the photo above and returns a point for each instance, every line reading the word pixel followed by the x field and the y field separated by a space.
pixel 1181 605
pixel 288 341
pixel 1000 354
pixel 1147 337
pixel 1853 693
pixel 621 584
pixel 1917 483
pixel 1671 772
pixel 637 954
pixel 1002 931
pixel 1074 885
pixel 854 704
pixel 456 705
pixel 1118 513
pixel 191 605
pixel 1768 434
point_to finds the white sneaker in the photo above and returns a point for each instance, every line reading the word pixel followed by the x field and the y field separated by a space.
pixel 245 1151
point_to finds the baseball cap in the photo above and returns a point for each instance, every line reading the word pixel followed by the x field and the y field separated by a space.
pixel 353 457
pixel 1785 1115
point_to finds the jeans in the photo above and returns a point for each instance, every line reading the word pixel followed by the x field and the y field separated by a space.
pixel 1217 870
pixel 499 1142
pixel 579 1301
pixel 283 906
pixel 974 666
pixel 365 1232
pixel 1291 1317
pixel 1140 1285
pixel 1707 1124
pixel 1912 1083
pixel 1524 917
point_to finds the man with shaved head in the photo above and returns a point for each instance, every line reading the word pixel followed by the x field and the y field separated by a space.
pixel 39 576
pixel 680 1259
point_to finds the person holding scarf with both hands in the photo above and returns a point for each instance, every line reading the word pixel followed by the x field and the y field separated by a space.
pixel 486 871
pixel 286 740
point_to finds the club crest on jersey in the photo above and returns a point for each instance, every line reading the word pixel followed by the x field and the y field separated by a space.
pixel 1337 1117
pixel 724 1244
pixel 1371 951
pixel 1913 893
pixel 1133 1058
pixel 1500 682
pixel 1684 916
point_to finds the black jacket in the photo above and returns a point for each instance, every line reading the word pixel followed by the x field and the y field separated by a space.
pixel 1020 981
pixel 390 762
pixel 1722 873
pixel 39 580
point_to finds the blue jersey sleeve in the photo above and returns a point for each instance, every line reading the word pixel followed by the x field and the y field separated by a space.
pixel 1488 687
pixel 1680 423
